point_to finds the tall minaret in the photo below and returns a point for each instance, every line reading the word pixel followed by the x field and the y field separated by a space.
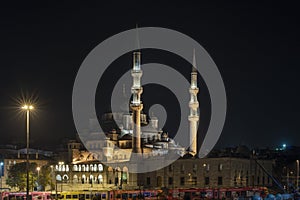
pixel 136 103
pixel 194 106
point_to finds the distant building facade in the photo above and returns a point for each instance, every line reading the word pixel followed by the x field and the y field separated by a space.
pixel 10 156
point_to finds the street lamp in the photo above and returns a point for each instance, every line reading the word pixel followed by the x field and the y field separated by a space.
pixel 38 178
pixel 38 170
pixel 27 108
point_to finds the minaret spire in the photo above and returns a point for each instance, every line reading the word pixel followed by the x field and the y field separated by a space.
pixel 137 40
pixel 136 103
pixel 194 107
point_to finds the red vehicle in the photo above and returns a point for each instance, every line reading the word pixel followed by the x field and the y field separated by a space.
pixel 22 195
pixel 221 193
pixel 134 194
pixel 188 194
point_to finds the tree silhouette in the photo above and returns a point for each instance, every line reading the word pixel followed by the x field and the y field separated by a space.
pixel 17 177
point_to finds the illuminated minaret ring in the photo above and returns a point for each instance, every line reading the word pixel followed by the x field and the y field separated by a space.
pixel 136 103
pixel 194 109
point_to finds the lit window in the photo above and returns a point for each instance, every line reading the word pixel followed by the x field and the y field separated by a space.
pixel 220 167
pixel 100 168
pixel 75 168
pixel 100 179
pixel 58 177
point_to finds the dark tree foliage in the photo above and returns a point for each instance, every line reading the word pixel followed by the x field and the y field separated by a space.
pixel 37 180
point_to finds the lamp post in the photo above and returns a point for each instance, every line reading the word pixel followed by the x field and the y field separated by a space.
pixel 27 108
pixel 38 178
pixel 51 166
pixel 297 175
pixel 1 172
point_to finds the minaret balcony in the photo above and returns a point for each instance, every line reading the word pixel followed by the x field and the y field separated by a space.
pixel 194 91
pixel 194 104
pixel 193 118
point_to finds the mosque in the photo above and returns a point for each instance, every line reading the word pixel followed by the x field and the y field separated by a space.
pixel 136 134
pixel 104 162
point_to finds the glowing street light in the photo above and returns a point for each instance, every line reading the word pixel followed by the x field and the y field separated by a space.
pixel 27 108
pixel 38 170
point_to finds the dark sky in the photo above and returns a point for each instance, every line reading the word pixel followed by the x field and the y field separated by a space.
pixel 255 46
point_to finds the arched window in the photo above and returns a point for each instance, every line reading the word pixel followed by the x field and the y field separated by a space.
pixel 58 177
pixel 118 176
pixel 75 168
pixel 83 178
pixel 75 179
pixel 110 175
pixel 100 167
pixel 79 168
pixel 91 167
pixel 100 179
pixel 67 168
pixel 95 167
pixel 65 177
pixel 125 175
pixel 83 168
pixel 87 168
pixel 91 179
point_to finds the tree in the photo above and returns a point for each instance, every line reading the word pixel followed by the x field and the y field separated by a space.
pixel 37 180
pixel 45 178
pixel 17 176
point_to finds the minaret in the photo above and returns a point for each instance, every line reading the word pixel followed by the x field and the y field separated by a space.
pixel 194 106
pixel 136 103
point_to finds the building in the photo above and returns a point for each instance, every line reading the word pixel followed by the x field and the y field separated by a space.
pixel 105 167
pixel 10 156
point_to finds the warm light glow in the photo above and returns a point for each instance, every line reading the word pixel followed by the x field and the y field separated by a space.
pixel 38 168
pixel 27 107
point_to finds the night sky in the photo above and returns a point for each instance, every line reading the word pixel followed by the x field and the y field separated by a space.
pixel 255 46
